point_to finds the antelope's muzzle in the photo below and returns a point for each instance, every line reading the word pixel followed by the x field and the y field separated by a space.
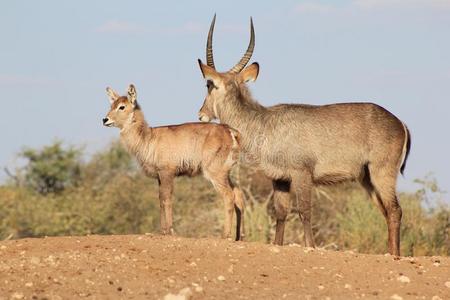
pixel 203 118
pixel 107 122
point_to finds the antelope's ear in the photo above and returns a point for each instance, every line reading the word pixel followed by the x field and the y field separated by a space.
pixel 209 73
pixel 132 94
pixel 250 73
pixel 112 95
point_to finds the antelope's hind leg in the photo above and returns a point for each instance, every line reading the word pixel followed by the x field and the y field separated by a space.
pixel 239 207
pixel 384 183
pixel 303 186
pixel 222 185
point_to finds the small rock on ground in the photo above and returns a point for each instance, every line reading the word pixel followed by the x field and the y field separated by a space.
pixel 403 279
pixel 183 294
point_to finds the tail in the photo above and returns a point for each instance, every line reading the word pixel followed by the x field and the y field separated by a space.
pixel 406 148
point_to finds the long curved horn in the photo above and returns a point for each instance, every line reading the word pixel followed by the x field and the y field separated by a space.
pixel 209 51
pixel 248 54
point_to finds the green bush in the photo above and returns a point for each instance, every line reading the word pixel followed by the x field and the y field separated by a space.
pixel 52 168
pixel 109 195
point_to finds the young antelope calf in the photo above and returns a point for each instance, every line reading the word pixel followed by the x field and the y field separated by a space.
pixel 186 149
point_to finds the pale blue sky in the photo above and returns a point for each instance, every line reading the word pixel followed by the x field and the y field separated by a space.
pixel 57 57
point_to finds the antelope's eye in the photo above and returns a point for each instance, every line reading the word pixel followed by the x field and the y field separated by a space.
pixel 122 107
pixel 210 85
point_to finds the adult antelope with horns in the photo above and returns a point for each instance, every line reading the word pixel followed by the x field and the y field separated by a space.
pixel 299 146
pixel 185 149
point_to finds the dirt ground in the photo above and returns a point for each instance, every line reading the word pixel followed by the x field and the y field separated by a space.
pixel 159 267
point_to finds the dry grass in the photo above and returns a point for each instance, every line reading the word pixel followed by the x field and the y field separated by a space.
pixel 112 197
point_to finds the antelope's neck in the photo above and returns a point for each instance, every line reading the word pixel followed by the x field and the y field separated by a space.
pixel 136 135
pixel 241 112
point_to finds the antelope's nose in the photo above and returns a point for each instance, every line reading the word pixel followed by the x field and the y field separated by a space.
pixel 105 120
pixel 203 118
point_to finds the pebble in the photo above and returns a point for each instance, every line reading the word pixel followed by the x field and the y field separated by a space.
pixel 403 279
pixel 17 295
pixel 29 284
pixel 231 269
pixel 447 284
pixel 436 298
pixel 348 286
pixel 320 287
pixel 410 259
pixel 2 247
pixel 171 296
pixel 51 260
pixel 183 294
pixel 221 278
pixel 35 260
pixel 308 249
pixel 187 292
pixel 274 249
pixel 396 297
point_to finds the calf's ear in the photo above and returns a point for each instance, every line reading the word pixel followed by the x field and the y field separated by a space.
pixel 112 95
pixel 132 96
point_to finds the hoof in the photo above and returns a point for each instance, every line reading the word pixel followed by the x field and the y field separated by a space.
pixel 278 243
pixel 227 237
pixel 168 232
pixel 241 239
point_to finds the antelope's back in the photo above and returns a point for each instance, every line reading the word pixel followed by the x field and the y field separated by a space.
pixel 336 138
pixel 189 143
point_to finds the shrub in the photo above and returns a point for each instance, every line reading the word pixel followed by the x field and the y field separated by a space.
pixel 52 168
pixel 110 195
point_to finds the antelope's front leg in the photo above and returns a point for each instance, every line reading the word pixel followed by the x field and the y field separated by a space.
pixel 228 198
pixel 229 211
pixel 165 200
pixel 282 201
pixel 162 215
